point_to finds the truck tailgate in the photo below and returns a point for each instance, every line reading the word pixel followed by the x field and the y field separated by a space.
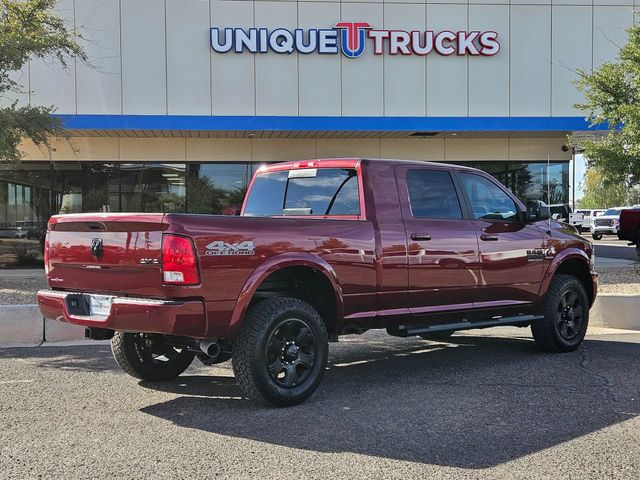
pixel 110 253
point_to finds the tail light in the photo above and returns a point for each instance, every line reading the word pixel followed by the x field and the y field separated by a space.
pixel 46 253
pixel 179 261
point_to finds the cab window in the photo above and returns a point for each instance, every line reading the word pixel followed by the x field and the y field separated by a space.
pixel 432 195
pixel 488 201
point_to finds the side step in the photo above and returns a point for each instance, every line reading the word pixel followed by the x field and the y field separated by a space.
pixel 411 331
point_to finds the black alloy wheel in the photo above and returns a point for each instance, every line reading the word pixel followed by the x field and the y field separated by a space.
pixel 291 352
pixel 570 314
pixel 149 358
pixel 281 352
pixel 566 315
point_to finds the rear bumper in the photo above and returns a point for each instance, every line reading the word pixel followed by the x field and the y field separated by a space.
pixel 172 317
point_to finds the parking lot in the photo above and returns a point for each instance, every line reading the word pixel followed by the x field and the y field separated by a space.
pixel 486 404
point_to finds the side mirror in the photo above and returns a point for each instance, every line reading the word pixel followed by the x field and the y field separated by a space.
pixel 537 211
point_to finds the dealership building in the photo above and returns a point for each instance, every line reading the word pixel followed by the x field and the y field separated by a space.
pixel 183 99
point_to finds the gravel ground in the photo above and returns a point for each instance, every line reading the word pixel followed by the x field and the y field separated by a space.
pixel 20 290
pixel 619 279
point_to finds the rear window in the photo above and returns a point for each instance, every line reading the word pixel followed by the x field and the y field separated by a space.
pixel 322 191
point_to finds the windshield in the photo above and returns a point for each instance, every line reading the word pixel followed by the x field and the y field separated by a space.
pixel 613 212
pixel 322 191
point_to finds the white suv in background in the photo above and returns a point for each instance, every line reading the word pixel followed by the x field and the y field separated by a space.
pixel 606 224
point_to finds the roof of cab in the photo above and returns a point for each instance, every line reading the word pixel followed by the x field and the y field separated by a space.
pixel 353 163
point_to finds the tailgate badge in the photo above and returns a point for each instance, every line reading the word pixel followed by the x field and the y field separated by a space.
pixel 220 247
pixel 96 248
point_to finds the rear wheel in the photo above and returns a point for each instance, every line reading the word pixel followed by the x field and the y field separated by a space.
pixel 281 353
pixel 566 316
pixel 596 236
pixel 147 358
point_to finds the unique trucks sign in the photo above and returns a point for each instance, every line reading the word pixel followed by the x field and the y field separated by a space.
pixel 351 39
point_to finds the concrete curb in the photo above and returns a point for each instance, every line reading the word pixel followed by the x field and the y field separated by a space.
pixel 23 325
pixel 616 310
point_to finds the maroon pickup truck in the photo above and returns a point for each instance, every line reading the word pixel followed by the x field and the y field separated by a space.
pixel 629 227
pixel 321 249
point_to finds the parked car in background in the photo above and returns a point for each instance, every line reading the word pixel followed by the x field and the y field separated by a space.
pixel 581 219
pixel 606 224
pixel 629 226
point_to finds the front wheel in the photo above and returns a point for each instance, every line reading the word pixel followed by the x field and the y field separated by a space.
pixel 566 316
pixel 596 236
pixel 147 358
pixel 281 352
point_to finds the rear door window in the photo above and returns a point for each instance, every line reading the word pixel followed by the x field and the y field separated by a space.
pixel 318 192
pixel 432 195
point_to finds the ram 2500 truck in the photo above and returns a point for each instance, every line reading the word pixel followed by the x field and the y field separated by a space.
pixel 321 249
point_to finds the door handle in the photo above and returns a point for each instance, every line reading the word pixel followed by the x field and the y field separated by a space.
pixel 489 238
pixel 420 236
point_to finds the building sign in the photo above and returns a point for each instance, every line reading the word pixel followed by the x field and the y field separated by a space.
pixel 352 38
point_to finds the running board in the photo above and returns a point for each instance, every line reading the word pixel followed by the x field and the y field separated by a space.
pixel 517 321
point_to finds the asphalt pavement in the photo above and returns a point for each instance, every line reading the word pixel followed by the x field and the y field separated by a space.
pixel 486 404
pixel 611 247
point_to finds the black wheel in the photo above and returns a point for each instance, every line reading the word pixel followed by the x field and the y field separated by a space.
pixel 638 250
pixel 147 358
pixel 596 236
pixel 566 316
pixel 281 353
pixel 437 336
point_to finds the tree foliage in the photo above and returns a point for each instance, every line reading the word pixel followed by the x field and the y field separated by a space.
pixel 29 29
pixel 600 192
pixel 612 98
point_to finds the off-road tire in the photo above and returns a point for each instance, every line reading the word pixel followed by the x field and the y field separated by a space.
pixel 250 351
pixel 596 236
pixel 136 361
pixel 437 336
pixel 546 332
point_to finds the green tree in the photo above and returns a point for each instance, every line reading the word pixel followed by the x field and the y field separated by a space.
pixel 612 98
pixel 600 192
pixel 29 29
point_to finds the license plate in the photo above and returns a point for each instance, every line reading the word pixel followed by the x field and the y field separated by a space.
pixel 100 305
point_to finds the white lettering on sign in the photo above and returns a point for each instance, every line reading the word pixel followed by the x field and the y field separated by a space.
pixel 351 38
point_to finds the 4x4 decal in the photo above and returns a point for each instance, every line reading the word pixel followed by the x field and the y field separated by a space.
pixel 219 247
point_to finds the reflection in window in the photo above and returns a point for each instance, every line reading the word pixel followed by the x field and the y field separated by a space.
pixel 217 188
pixel 152 187
pixel 488 202
pixel 327 191
pixel 432 194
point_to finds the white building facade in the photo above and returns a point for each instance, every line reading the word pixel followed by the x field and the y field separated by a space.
pixel 184 91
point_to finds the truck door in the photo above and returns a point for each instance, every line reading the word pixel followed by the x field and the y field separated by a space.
pixel 441 241
pixel 511 251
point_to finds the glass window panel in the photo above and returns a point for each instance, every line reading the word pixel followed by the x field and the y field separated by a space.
pixel 217 188
pixel 488 202
pixel 432 194
pixel 332 191
pixel 152 187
